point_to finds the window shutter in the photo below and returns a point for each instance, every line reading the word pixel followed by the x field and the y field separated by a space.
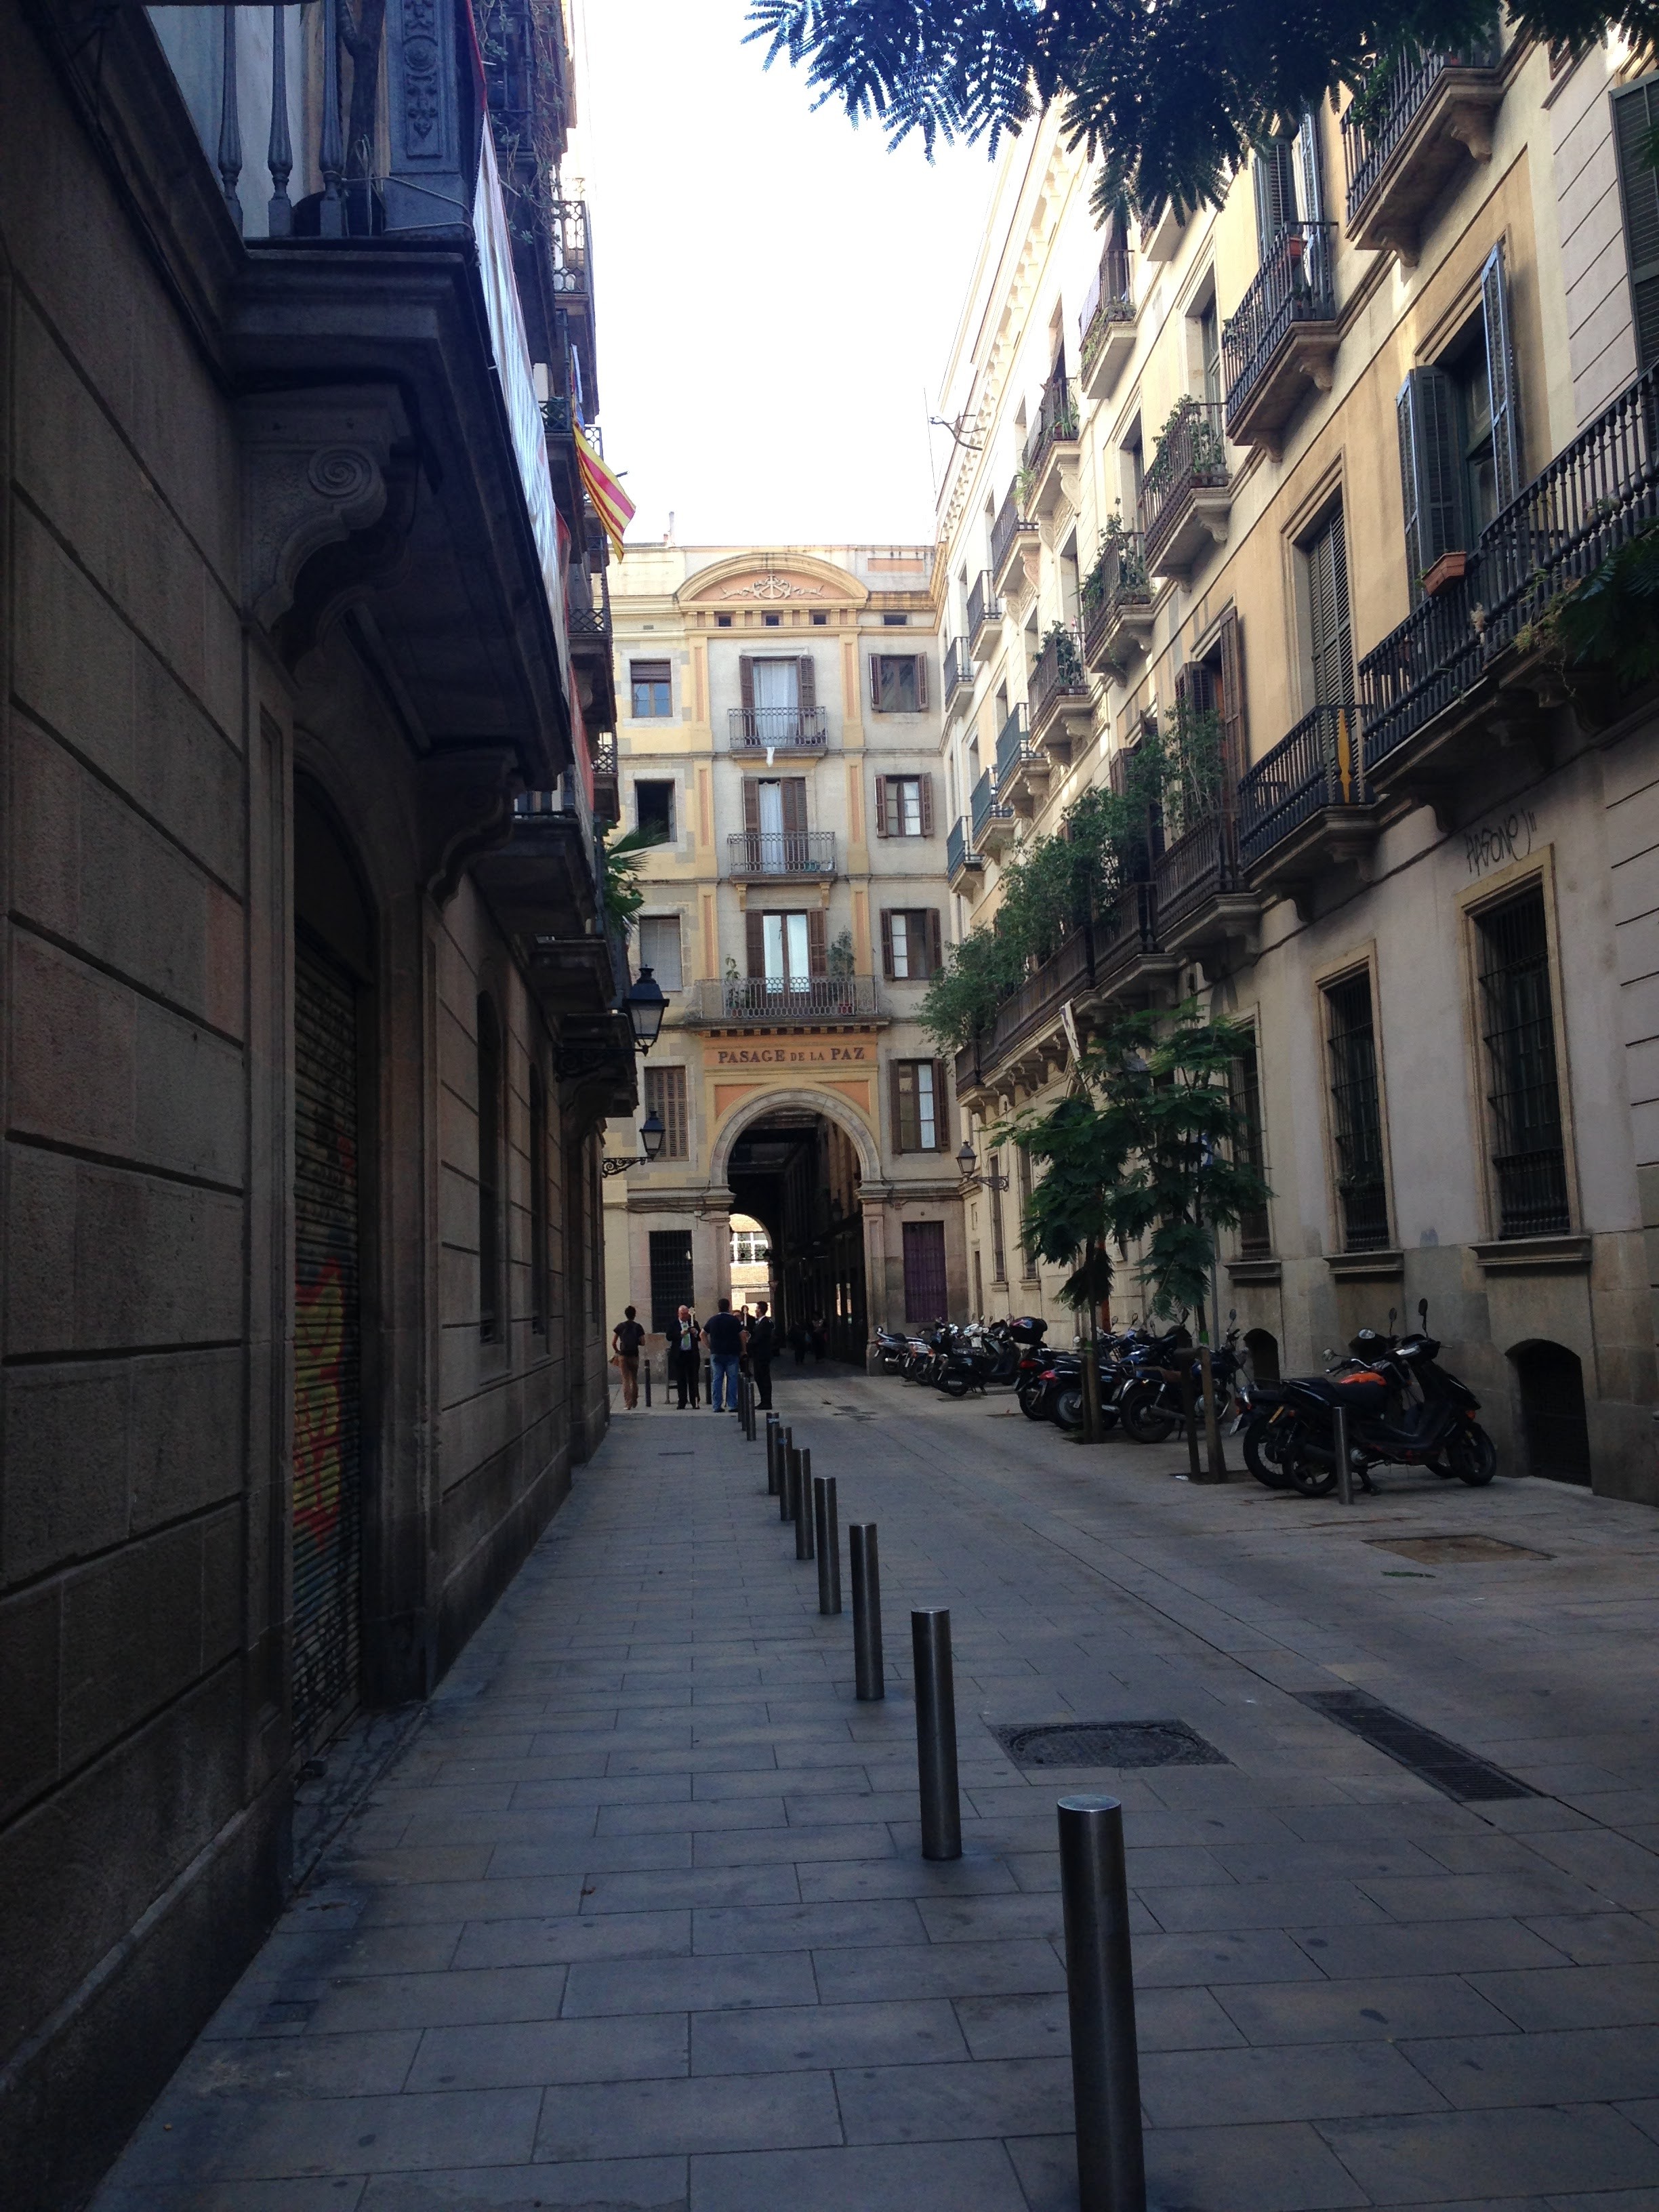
pixel 1310 185
pixel 809 684
pixel 921 680
pixel 1636 116
pixel 795 806
pixel 1234 757
pixel 940 1110
pixel 881 807
pixel 875 683
pixel 926 805
pixel 1500 374
pixel 751 805
pixel 818 961
pixel 1273 170
pixel 746 682
pixel 887 944
pixel 755 930
pixel 935 958
pixel 897 1089
pixel 1426 411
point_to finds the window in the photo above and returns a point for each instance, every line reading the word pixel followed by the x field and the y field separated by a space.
pixel 898 682
pixel 774 820
pixel 918 1096
pixel 895 622
pixel 670 1276
pixel 1523 1099
pixel 820 620
pixel 1635 117
pixel 910 944
pixel 750 1247
pixel 994 1200
pixel 665 1096
pixel 924 1270
pixel 1255 1230
pixel 1209 354
pixel 1330 631
pixel 786 951
pixel 660 948
pixel 777 696
pixel 538 1270
pixel 652 692
pixel 1357 1115
pixel 489 1172
pixel 653 805
pixel 771 622
pixel 904 806
pixel 722 622
pixel 1460 444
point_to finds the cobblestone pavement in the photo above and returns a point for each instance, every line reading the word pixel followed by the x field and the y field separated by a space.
pixel 638 1918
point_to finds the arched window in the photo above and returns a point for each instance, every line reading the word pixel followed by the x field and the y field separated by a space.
pixel 1263 1349
pixel 1555 1435
pixel 538 1203
pixel 489 1173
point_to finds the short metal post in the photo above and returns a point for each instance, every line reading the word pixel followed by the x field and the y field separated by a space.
pixel 936 1733
pixel 774 1438
pixel 804 1506
pixel 647 1386
pixel 1100 1991
pixel 1340 1444
pixel 826 1533
pixel 870 1680
pixel 786 1473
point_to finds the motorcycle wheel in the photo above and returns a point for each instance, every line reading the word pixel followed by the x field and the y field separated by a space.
pixel 1260 1453
pixel 1068 1408
pixel 1142 1417
pixel 1030 1404
pixel 1471 1455
pixel 955 1384
pixel 1310 1476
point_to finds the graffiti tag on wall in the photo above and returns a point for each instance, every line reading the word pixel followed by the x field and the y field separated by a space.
pixel 1494 844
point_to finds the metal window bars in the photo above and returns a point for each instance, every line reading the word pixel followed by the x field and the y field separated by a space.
pixel 1529 1157
pixel 1357 1115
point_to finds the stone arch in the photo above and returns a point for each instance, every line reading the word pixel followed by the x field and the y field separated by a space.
pixel 846 1118
pixel 1549 1383
pixel 712 586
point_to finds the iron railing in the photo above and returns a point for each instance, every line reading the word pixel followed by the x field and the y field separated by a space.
pixel 1367 148
pixel 1110 300
pixel 782 853
pixel 572 250
pixel 983 606
pixel 1118 579
pixel 785 999
pixel 1011 520
pixel 1293 285
pixel 966 1067
pixel 984 807
pixel 1317 766
pixel 958 853
pixel 776 729
pixel 603 752
pixel 1059 673
pixel 588 613
pixel 1125 930
pixel 958 667
pixel 1192 453
pixel 1013 747
pixel 1197 867
pixel 1068 970
pixel 1055 423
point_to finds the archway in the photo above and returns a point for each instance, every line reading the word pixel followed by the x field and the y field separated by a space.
pixel 1262 1346
pixel 798 1173
pixel 1554 1433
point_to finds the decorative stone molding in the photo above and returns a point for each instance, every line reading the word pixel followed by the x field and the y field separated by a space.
pixel 315 469
pixel 465 809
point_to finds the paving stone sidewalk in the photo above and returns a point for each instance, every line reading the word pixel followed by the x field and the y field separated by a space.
pixel 639 1918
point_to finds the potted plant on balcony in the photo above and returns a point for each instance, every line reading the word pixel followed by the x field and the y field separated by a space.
pixel 1189 445
pixel 1061 641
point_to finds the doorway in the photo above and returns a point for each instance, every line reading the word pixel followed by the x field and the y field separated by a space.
pixel 1554 1432
pixel 796 1174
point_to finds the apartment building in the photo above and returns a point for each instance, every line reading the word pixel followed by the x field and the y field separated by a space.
pixel 1290 489
pixel 779 731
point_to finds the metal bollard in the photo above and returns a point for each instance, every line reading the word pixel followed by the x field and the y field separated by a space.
pixel 868 1676
pixel 647 1386
pixel 786 1473
pixel 936 1733
pixel 1100 1995
pixel 1339 1446
pixel 804 1506
pixel 773 1438
pixel 826 1531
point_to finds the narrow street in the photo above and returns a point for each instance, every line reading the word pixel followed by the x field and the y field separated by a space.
pixel 637 1918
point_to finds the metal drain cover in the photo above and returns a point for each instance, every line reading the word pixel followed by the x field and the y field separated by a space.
pixel 1108 1743
pixel 1447 1550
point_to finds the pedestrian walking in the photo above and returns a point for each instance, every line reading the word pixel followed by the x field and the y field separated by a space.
pixel 725 1333
pixel 626 1339
pixel 762 1343
pixel 682 1343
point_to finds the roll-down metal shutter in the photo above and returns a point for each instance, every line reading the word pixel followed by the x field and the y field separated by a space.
pixel 327 1350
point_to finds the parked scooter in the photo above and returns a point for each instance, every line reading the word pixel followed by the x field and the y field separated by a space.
pixel 1153 1404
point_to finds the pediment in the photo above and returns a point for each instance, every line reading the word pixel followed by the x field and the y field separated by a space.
pixel 776 580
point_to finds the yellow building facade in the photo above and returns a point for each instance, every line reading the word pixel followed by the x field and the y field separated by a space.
pixel 1300 481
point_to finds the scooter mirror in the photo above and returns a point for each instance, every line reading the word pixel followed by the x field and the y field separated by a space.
pixel 1391 1314
pixel 1423 1314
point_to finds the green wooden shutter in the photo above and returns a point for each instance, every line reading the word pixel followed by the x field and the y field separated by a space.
pixel 1426 412
pixel 1310 184
pixel 1636 116
pixel 1273 168
pixel 1500 376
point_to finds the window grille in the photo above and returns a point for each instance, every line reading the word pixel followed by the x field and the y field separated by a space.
pixel 1528 1160
pixel 1255 1229
pixel 670 1276
pixel 1028 1266
pixel 1357 1116
pixel 998 1254
pixel 489 1172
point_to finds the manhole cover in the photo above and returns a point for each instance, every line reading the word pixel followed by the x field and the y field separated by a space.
pixel 1447 1550
pixel 1108 1743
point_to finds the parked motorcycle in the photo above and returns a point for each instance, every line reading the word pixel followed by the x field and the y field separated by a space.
pixel 1152 1404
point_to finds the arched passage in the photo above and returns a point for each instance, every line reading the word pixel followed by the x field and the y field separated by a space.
pixel 1554 1433
pixel 796 1163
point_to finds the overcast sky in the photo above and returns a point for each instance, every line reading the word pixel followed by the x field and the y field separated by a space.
pixel 775 290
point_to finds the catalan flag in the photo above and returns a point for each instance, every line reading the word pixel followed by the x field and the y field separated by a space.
pixel 610 502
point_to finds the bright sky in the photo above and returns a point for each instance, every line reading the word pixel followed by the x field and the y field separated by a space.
pixel 775 291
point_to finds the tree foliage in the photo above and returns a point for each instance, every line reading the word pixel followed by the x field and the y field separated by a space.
pixel 1612 619
pixel 622 892
pixel 1170 95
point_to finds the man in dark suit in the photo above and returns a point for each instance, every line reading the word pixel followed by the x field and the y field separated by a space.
pixel 763 1342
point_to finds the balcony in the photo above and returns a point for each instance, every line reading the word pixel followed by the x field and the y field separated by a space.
pixel 1204 902
pixel 587 617
pixel 1062 706
pixel 607 798
pixel 960 860
pixel 1403 148
pixel 772 855
pixel 1014 546
pixel 777 1002
pixel 1051 451
pixel 958 674
pixel 1128 960
pixel 1184 496
pixel 1117 606
pixel 1305 807
pixel 1022 772
pixel 773 729
pixel 1106 327
pixel 984 619
pixel 1425 689
pixel 1283 339
pixel 994 821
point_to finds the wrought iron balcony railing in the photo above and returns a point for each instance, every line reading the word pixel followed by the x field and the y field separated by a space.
pixel 1196 868
pixel 1375 127
pixel 958 853
pixel 1293 285
pixel 983 608
pixel 1191 456
pixel 783 999
pixel 1110 300
pixel 1059 675
pixel 1011 520
pixel 1117 581
pixel 1014 748
pixel 782 853
pixel 572 247
pixel 1316 767
pixel 985 808
pixel 1056 421
pixel 959 668
pixel 777 729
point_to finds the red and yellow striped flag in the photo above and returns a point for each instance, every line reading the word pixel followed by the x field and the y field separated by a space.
pixel 610 502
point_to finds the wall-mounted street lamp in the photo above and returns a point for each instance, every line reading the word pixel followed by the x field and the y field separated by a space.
pixel 967 1160
pixel 646 1007
pixel 652 1133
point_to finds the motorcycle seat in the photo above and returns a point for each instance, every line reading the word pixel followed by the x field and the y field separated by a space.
pixel 1364 1394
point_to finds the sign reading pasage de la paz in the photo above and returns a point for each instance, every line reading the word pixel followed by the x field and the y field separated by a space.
pixel 848 1051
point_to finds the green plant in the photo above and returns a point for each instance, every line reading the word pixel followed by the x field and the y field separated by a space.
pixel 1069 656
pixel 1191 768
pixel 622 893
pixel 1187 444
pixel 841 957
pixel 1612 619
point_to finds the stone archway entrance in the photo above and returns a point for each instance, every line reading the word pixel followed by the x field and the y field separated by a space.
pixel 799 1173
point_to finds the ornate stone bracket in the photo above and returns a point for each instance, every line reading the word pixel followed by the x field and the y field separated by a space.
pixel 466 803
pixel 315 469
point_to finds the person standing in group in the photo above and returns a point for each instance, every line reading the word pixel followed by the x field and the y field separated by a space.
pixel 626 1339
pixel 725 1333
pixel 762 1343
pixel 682 1343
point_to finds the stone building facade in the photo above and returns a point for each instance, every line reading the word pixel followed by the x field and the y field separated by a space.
pixel 310 1025
pixel 1300 480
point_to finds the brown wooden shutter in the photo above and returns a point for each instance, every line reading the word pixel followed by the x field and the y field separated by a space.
pixel 809 684
pixel 927 802
pixel 746 682
pixel 751 804
pixel 897 1097
pixel 940 1111
pixel 795 806
pixel 921 680
pixel 881 807
pixel 817 963
pixel 1234 757
pixel 935 955
pixel 887 943
pixel 875 682
pixel 755 930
